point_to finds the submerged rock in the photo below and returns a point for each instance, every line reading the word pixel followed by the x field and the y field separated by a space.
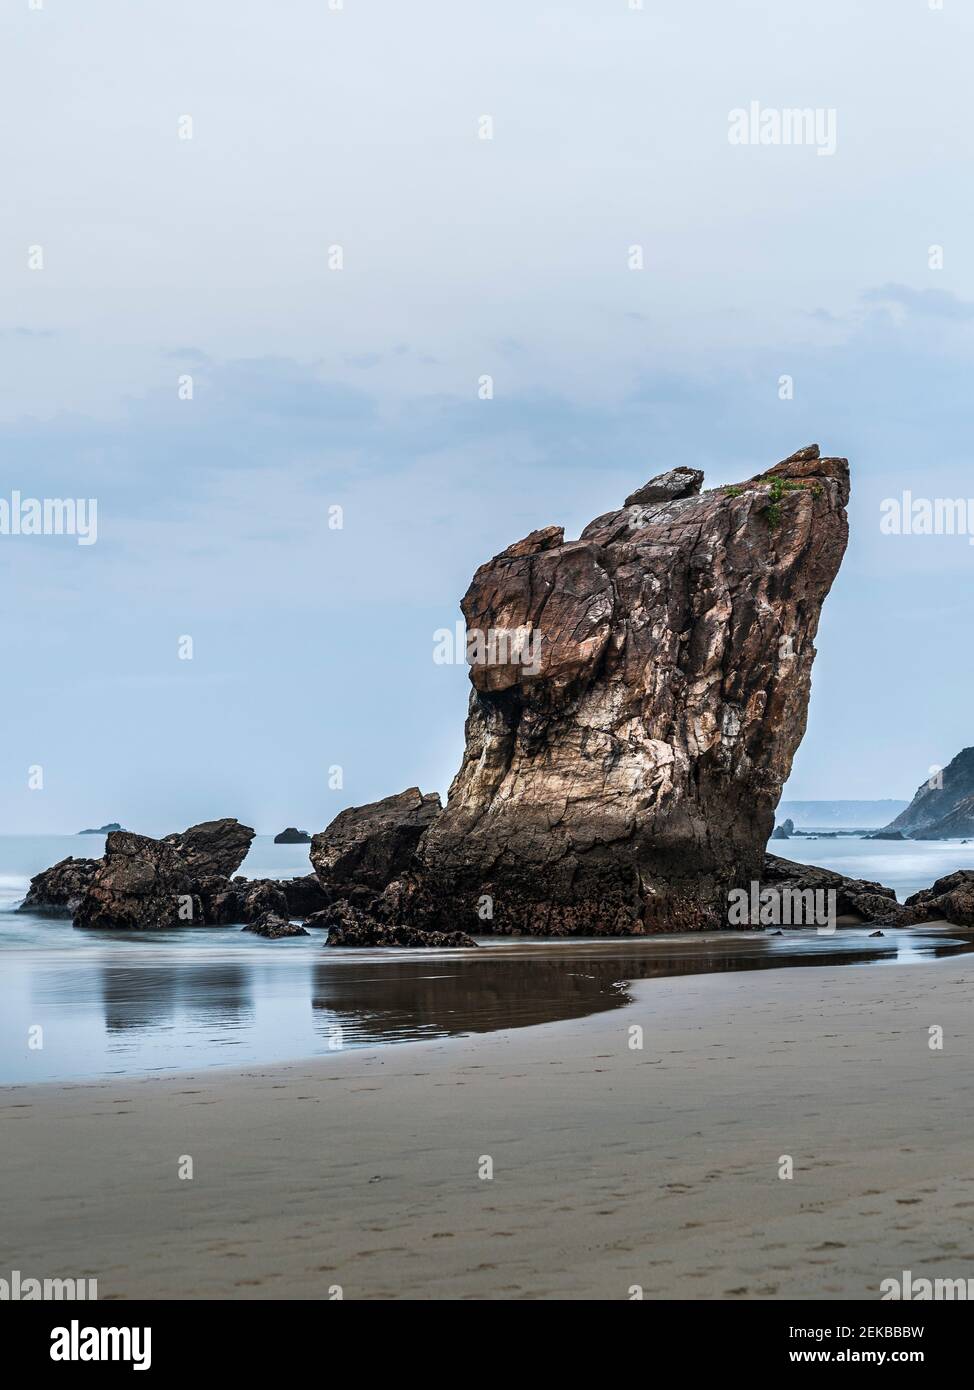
pixel 57 891
pixel 274 927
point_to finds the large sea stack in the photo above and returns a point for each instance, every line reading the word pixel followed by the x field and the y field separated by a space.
pixel 626 750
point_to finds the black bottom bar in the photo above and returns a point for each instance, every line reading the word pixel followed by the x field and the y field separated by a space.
pixel 251 1336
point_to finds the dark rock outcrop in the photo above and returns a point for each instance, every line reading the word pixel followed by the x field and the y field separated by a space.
pixel 854 897
pixel 242 899
pixel 304 895
pixel 410 937
pixel 291 836
pixel 950 899
pixel 260 897
pixel 144 883
pixel 102 829
pixel 274 927
pixel 212 847
pixel 885 835
pixel 350 926
pixel 626 745
pixel 140 883
pixel 57 891
pixel 366 847
pixel 943 807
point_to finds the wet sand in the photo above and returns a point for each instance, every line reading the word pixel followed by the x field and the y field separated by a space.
pixel 612 1166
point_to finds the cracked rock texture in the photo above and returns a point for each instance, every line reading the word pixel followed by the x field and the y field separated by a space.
pixel 365 847
pixel 146 883
pixel 626 776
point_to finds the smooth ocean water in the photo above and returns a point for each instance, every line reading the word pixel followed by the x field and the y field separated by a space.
pixel 116 1003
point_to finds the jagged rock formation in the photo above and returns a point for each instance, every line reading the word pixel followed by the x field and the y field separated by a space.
pixel 56 892
pixel 182 880
pixel 950 899
pixel 634 716
pixel 366 847
pixel 214 847
pixel 292 836
pixel 144 883
pixel 944 811
pixel 854 897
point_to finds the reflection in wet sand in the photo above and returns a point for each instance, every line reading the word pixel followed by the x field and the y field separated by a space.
pixel 171 1001
pixel 378 997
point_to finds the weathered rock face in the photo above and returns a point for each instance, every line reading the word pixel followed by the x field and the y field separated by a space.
pixel 627 741
pixel 139 883
pixel 943 807
pixel 144 883
pixel 365 847
pixel 58 890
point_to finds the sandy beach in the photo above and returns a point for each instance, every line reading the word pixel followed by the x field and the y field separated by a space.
pixel 612 1166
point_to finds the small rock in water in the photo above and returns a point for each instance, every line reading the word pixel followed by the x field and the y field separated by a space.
pixel 877 933
pixel 273 927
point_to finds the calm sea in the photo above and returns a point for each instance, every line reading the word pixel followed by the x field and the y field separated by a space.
pixel 115 1003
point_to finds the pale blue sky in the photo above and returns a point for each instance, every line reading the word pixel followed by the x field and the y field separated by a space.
pixel 162 257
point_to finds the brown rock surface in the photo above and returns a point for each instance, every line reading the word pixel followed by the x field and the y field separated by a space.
pixel 366 847
pixel 627 776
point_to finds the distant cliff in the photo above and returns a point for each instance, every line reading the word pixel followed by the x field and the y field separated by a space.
pixel 943 807
pixel 840 815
